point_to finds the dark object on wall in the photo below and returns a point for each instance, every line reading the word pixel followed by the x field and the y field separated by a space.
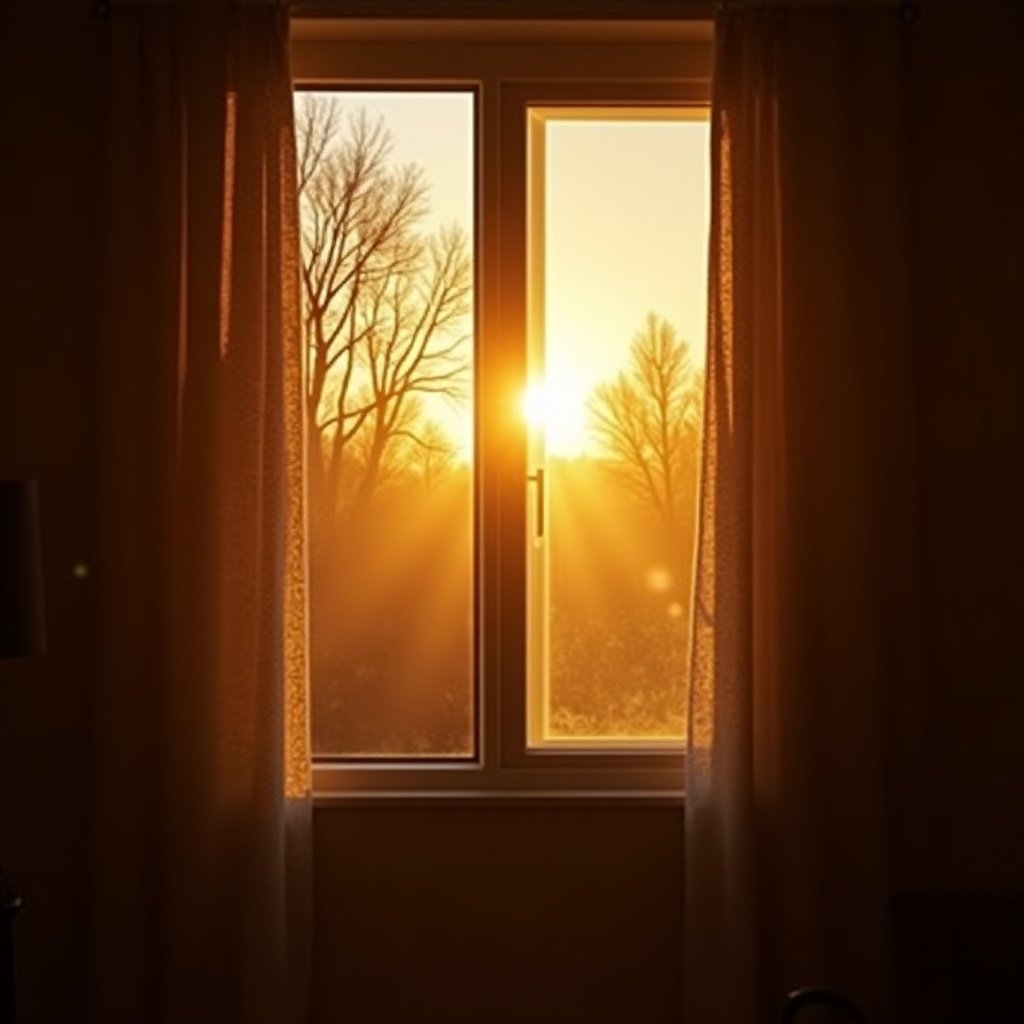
pixel 9 904
pixel 21 578
pixel 21 634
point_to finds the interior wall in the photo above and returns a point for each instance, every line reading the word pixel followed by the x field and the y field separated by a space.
pixel 496 914
pixel 48 241
pixel 962 813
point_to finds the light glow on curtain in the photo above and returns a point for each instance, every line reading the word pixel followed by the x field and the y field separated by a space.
pixel 228 216
pixel 201 741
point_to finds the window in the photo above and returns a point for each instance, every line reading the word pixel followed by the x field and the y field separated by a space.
pixel 617 230
pixel 504 245
pixel 386 208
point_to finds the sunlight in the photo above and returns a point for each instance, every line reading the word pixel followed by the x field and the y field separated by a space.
pixel 659 579
pixel 391 486
pixel 617 304
pixel 556 407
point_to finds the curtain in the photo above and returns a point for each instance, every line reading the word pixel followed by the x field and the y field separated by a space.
pixel 201 775
pixel 807 580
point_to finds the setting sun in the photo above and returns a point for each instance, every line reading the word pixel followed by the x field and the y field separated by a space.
pixel 556 407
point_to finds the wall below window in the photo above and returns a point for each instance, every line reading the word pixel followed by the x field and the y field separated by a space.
pixel 496 915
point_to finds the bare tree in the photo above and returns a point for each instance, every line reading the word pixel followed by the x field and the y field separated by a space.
pixel 648 421
pixel 385 314
pixel 433 456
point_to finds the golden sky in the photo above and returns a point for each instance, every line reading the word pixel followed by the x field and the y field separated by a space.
pixel 626 226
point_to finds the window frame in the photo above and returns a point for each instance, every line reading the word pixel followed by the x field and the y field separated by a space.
pixel 569 64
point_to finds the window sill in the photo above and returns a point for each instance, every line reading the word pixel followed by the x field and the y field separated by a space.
pixel 467 784
pixel 477 799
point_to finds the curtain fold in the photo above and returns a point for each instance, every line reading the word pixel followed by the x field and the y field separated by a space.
pixel 201 776
pixel 807 579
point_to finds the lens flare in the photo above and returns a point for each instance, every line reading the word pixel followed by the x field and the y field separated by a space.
pixel 556 407
pixel 659 579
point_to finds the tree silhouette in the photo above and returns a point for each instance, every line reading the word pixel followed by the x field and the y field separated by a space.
pixel 648 421
pixel 385 307
pixel 432 457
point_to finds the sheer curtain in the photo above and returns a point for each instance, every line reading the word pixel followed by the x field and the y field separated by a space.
pixel 807 567
pixel 202 816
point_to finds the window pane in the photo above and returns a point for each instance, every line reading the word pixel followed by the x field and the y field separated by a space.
pixel 386 197
pixel 618 240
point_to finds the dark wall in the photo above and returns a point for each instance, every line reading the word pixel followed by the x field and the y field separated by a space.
pixel 48 242
pixel 498 914
pixel 963 817
pixel 435 913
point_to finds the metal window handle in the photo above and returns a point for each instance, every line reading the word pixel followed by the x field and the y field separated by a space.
pixel 538 513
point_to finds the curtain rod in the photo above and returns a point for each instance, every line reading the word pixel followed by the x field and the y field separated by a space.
pixel 591 10
pixel 524 10
pixel 907 10
pixel 506 10
pixel 740 5
pixel 102 8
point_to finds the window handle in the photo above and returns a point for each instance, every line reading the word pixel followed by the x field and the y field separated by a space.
pixel 538 513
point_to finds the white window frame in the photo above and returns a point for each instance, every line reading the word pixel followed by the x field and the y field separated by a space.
pixel 509 66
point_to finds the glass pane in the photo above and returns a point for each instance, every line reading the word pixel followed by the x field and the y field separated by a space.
pixel 618 241
pixel 386 205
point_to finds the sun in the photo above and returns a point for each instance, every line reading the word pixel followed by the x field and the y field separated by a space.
pixel 555 406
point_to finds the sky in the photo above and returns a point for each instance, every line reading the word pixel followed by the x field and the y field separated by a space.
pixel 626 225
pixel 434 130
